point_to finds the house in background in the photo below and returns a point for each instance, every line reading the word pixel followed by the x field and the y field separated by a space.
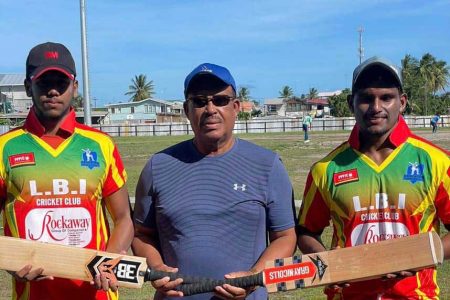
pixel 144 111
pixel 297 107
pixel 13 96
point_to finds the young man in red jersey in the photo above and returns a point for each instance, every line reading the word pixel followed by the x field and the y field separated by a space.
pixel 383 183
pixel 58 178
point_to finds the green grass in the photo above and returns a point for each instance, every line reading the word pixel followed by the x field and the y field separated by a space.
pixel 297 157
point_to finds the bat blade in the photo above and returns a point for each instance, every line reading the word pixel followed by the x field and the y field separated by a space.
pixel 357 263
pixel 71 262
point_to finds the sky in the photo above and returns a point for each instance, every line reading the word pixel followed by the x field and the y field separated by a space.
pixel 265 44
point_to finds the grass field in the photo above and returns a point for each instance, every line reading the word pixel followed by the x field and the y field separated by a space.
pixel 297 157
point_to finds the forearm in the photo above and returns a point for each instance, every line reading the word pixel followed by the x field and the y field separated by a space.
pixel 279 247
pixel 121 237
pixel 147 247
pixel 309 244
pixel 446 244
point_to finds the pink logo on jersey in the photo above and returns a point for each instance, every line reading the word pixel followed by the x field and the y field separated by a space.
pixel 345 176
pixel 22 159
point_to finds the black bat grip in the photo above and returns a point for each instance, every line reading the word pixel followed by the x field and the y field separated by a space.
pixel 152 275
pixel 207 285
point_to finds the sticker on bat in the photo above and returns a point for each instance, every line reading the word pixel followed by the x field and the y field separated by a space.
pixel 289 272
pixel 116 270
pixel 320 266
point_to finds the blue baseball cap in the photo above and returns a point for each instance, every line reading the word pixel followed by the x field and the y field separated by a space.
pixel 217 71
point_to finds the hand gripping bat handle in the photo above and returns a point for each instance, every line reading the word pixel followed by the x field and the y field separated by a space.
pixel 207 285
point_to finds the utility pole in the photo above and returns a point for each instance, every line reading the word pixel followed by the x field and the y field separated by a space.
pixel 360 49
pixel 84 56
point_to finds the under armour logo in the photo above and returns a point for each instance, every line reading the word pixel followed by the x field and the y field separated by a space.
pixel 239 187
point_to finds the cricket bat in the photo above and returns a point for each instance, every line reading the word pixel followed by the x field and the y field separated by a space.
pixel 329 267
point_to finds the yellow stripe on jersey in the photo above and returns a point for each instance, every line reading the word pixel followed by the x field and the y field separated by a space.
pixel 53 152
pixel 11 219
pixel 102 232
pixel 3 140
pixel 321 168
pixel 439 166
pixel 384 164
pixel 107 147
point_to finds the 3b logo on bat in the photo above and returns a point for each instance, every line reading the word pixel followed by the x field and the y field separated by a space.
pixel 117 269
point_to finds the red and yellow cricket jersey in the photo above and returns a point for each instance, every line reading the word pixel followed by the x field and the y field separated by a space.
pixel 367 203
pixel 54 195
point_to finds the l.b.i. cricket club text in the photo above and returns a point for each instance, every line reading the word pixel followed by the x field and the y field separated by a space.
pixel 60 216
pixel 382 221
pixel 60 194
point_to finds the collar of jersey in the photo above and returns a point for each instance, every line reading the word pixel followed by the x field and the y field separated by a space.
pixel 398 136
pixel 37 130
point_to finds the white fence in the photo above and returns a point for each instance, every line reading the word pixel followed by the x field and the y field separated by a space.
pixel 256 126
pixel 252 126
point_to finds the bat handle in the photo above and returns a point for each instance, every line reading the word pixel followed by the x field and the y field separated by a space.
pixel 152 275
pixel 208 285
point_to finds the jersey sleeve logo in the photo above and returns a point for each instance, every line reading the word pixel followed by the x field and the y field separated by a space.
pixel 89 159
pixel 414 172
pixel 23 159
pixel 345 176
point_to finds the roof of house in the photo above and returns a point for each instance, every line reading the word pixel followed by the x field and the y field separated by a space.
pixel 317 101
pixel 137 103
pixel 329 94
pixel 247 106
pixel 273 101
pixel 11 79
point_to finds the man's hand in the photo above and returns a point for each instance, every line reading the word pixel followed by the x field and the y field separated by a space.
pixel 164 286
pixel 399 275
pixel 227 291
pixel 28 274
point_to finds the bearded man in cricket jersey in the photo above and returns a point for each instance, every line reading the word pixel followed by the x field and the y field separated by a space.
pixel 58 177
pixel 383 183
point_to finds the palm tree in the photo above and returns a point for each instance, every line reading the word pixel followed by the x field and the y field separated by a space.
pixel 441 76
pixel 140 89
pixel 313 93
pixel 411 80
pixel 427 71
pixel 286 92
pixel 244 94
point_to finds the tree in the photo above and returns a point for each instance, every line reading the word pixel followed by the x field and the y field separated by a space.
pixel 411 83
pixel 422 80
pixel 339 106
pixel 140 89
pixel 244 94
pixel 313 93
pixel 286 92
pixel 77 102
pixel 243 116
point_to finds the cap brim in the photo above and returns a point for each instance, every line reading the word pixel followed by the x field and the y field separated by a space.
pixel 38 72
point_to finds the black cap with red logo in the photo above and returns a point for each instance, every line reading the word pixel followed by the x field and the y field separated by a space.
pixel 50 56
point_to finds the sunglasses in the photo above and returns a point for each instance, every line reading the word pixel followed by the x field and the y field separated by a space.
pixel 218 100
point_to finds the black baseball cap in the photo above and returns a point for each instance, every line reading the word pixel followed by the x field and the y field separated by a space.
pixel 50 56
pixel 373 67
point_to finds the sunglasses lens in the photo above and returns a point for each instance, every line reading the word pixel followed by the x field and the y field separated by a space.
pixel 220 100
pixel 200 101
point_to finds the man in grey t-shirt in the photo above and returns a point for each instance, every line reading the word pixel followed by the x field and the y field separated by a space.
pixel 206 206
